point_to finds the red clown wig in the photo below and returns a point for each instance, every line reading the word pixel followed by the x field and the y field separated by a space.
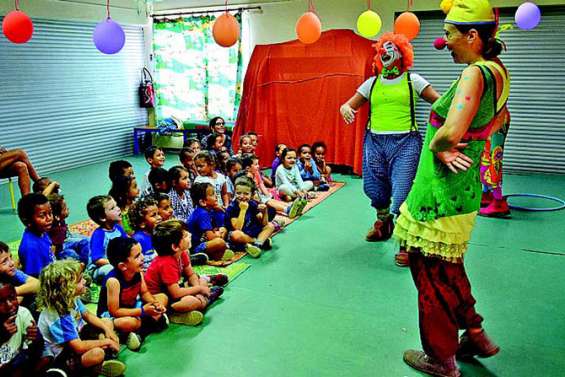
pixel 402 43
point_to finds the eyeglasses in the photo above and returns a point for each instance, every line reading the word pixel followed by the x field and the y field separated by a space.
pixel 220 123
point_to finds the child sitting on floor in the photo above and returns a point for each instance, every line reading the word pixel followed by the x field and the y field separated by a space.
pixel 207 224
pixel 124 297
pixel 21 343
pixel 164 207
pixel 160 181
pixel 215 144
pixel 124 191
pixel 36 249
pixel 155 157
pixel 206 167
pixel 193 146
pixel 104 211
pixel 26 286
pixel 248 220
pixel 66 246
pixel 222 160
pixel 120 168
pixel 187 302
pixel 288 180
pixel 180 194
pixel 266 196
pixel 254 139
pixel 144 216
pixel 308 168
pixel 186 157
pixel 245 146
pixel 66 324
pixel 319 151
pixel 277 161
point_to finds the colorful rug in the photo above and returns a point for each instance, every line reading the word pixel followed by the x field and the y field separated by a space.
pixel 320 197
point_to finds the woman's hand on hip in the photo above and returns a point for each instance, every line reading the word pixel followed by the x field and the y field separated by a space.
pixel 454 159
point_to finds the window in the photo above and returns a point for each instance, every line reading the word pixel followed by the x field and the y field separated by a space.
pixel 195 78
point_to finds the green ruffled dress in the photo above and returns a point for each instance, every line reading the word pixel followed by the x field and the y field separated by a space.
pixel 439 214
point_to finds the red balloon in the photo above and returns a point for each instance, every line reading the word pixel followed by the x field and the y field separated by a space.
pixel 408 24
pixel 308 28
pixel 226 30
pixel 17 27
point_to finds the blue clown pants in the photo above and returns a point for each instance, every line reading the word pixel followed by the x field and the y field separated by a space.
pixel 389 167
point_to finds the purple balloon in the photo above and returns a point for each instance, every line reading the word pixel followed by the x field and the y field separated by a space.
pixel 527 16
pixel 109 37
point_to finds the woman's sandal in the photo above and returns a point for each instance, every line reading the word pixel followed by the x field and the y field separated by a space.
pixel 402 258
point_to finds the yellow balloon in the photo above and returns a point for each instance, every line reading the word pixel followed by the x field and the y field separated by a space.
pixel 369 24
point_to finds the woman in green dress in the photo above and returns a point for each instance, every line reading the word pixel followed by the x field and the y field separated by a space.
pixel 437 218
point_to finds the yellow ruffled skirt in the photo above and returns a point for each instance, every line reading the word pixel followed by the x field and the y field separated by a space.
pixel 446 238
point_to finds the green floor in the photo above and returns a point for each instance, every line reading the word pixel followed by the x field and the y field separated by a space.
pixel 326 303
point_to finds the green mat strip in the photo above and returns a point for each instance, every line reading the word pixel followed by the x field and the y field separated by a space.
pixel 233 270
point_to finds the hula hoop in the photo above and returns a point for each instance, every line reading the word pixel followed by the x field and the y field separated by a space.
pixel 552 198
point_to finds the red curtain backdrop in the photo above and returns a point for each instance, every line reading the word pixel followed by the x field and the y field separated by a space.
pixel 292 93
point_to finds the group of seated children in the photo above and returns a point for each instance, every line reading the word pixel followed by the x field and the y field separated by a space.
pixel 141 254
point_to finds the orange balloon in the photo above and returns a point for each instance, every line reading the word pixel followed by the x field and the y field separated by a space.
pixel 408 24
pixel 226 30
pixel 308 28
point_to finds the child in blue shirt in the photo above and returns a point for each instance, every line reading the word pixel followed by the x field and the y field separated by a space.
pixel 248 220
pixel 206 224
pixel 309 169
pixel 36 248
pixel 65 324
pixel 144 216
pixel 104 211
pixel 26 286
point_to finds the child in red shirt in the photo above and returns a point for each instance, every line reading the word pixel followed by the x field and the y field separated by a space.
pixel 187 300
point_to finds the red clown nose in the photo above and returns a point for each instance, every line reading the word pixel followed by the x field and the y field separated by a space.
pixel 440 43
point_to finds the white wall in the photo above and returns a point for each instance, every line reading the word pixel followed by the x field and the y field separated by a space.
pixel 277 21
pixel 122 11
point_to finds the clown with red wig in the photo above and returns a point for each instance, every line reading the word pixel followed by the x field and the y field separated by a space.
pixel 392 142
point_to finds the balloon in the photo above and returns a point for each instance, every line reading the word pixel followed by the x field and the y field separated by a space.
pixel 408 24
pixel 527 16
pixel 440 43
pixel 369 24
pixel 17 27
pixel 308 28
pixel 226 30
pixel 109 37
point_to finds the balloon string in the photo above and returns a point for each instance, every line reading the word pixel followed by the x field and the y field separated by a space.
pixel 107 8
pixel 410 4
pixel 311 6
pixel 17 4
pixel 369 4
pixel 226 5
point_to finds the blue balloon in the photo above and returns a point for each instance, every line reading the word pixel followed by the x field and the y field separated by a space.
pixel 527 16
pixel 109 37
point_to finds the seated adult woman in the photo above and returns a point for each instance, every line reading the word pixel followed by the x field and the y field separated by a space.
pixel 218 126
pixel 16 163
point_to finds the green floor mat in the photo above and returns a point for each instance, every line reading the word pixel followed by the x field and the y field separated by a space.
pixel 233 270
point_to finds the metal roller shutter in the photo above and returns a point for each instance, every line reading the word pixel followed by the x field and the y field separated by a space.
pixel 66 103
pixel 536 61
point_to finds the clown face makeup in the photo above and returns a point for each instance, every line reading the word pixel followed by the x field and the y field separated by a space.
pixel 390 54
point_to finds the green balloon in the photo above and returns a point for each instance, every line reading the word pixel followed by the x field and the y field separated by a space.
pixel 369 24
